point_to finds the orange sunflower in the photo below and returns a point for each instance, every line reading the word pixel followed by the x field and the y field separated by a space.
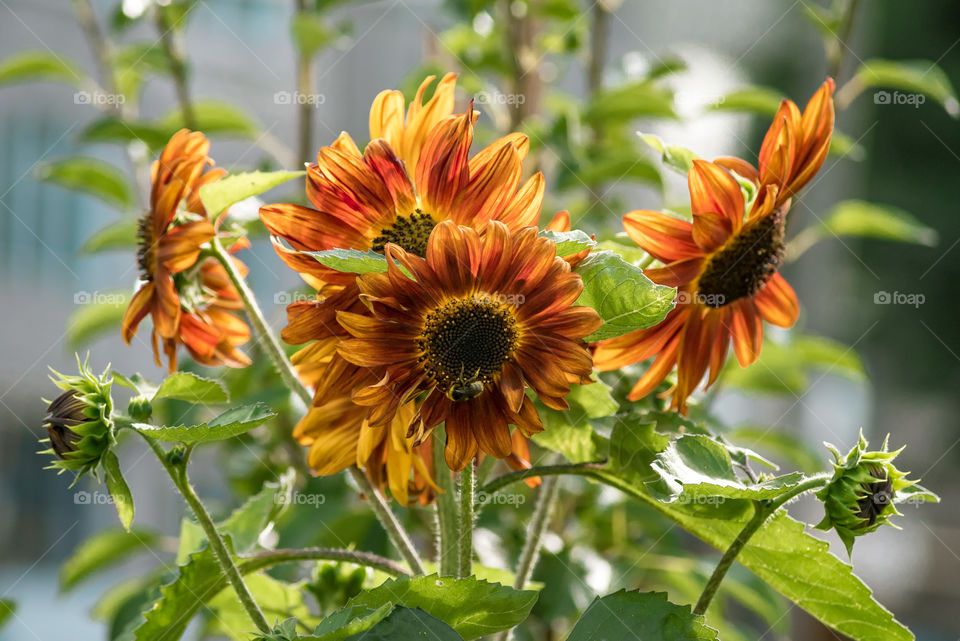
pixel 190 302
pixel 725 263
pixel 484 317
pixel 415 173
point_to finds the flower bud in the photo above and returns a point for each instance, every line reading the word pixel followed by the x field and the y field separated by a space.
pixel 140 408
pixel 864 491
pixel 79 422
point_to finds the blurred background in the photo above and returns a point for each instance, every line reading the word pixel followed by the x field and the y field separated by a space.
pixel 877 347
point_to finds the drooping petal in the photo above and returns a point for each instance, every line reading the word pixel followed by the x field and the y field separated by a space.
pixel 777 302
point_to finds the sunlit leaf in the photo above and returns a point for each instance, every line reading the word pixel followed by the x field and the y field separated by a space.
pixel 115 130
pixel 119 490
pixel 472 607
pixel 870 220
pixel 311 33
pixel 352 260
pixel 634 100
pixel 213 118
pixel 7 609
pixel 218 196
pixel 569 242
pixel 758 100
pixel 624 298
pixel 187 386
pixel 121 235
pixel 37 66
pixel 673 156
pixel 916 77
pixel 229 424
pixel 569 431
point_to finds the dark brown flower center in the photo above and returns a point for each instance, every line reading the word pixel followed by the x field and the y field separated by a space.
pixel 66 411
pixel 879 495
pixel 745 264
pixel 146 248
pixel 410 232
pixel 465 343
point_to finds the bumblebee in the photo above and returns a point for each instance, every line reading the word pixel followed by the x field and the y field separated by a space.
pixel 464 389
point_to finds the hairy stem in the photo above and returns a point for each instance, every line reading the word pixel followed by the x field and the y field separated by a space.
pixel 581 469
pixel 762 511
pixel 542 511
pixel 178 473
pixel 446 505
pixel 387 519
pixel 468 489
pixel 305 107
pixel 270 558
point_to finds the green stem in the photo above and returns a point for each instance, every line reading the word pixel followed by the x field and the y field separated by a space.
pixel 762 511
pixel 468 490
pixel 269 558
pixel 178 473
pixel 178 66
pixel 259 321
pixel 389 522
pixel 446 504
pixel 543 509
pixel 580 469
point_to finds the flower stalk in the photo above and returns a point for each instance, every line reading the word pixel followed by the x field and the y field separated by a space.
pixel 468 490
pixel 446 503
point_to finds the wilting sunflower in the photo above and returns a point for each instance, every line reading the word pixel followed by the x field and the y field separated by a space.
pixel 725 263
pixel 190 302
pixel 483 317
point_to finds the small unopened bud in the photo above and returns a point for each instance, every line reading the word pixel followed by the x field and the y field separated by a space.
pixel 140 408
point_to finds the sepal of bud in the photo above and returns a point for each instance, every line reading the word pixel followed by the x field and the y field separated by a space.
pixel 140 408
pixel 863 493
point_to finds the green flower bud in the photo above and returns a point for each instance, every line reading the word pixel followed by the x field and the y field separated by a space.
pixel 864 492
pixel 140 408
pixel 79 422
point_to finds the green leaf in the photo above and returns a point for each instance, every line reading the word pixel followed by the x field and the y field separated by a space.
pixel 310 33
pixel 471 607
pixel 213 118
pixel 99 313
pixel 349 621
pixel 88 176
pixel 186 386
pixel 229 424
pixel 801 568
pixel 870 220
pixel 625 299
pixel 35 66
pixel 119 235
pixel 7 609
pixel 639 616
pixel 634 100
pixel 351 260
pixel 101 551
pixel 674 156
pixel 197 581
pixel 404 624
pixel 758 100
pixel 137 383
pixel 119 490
pixel 914 76
pixel 276 598
pixel 117 131
pixel 248 521
pixel 843 146
pixel 218 196
pixel 633 448
pixel 569 242
pixel 695 467
pixel 569 431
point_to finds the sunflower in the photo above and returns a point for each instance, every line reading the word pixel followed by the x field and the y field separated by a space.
pixel 725 263
pixel 484 317
pixel 190 302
